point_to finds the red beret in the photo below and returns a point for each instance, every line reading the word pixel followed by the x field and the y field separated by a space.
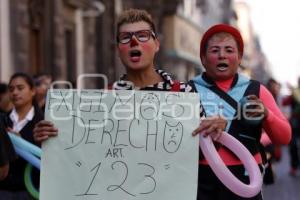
pixel 222 28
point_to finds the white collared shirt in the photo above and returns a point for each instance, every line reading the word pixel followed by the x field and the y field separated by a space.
pixel 18 125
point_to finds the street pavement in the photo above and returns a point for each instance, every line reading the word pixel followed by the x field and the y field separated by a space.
pixel 285 187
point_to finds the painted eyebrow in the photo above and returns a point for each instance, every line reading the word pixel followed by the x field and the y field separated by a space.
pixel 213 47
pixel 19 85
pixel 218 47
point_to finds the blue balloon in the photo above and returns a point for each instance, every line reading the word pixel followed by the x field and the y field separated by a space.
pixel 25 145
pixel 26 150
pixel 28 157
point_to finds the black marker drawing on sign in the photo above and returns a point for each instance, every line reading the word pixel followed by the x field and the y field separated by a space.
pixel 85 101
pixel 114 153
pixel 149 107
pixel 97 167
pixel 179 109
pixel 120 100
pixel 149 176
pixel 63 101
pixel 131 133
pixel 78 164
pixel 117 136
pixel 152 134
pixel 173 135
pixel 106 131
pixel 73 132
pixel 89 130
pixel 115 187
pixel 119 130
pixel 167 166
pixel 100 105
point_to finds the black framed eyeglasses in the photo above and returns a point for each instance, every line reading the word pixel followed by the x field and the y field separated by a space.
pixel 142 36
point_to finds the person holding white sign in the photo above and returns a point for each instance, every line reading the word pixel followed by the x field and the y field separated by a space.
pixel 246 104
pixel 137 44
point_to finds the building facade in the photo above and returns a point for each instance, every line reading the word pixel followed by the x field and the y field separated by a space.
pixel 68 38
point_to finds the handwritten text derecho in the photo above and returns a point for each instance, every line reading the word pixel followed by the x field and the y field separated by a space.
pixel 120 145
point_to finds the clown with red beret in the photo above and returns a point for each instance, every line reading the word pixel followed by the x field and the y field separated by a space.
pixel 221 89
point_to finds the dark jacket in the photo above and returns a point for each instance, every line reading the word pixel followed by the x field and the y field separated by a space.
pixel 15 179
pixel 7 152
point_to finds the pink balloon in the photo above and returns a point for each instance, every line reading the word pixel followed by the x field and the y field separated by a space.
pixel 223 173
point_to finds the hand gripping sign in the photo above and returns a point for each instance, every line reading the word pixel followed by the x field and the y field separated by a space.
pixel 223 173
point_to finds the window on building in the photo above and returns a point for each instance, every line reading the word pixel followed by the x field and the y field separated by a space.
pixel 70 56
pixel 35 51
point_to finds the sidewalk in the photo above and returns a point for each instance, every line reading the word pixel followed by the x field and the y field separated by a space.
pixel 285 186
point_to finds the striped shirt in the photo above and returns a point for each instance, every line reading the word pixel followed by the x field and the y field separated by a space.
pixel 166 85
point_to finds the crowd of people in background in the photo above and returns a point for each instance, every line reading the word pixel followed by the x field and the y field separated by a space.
pixel 290 106
pixel 293 101
pixel 22 101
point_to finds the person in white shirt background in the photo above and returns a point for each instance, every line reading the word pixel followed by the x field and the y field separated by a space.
pixel 21 120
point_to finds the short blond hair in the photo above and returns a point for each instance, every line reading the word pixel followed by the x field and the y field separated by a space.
pixel 135 15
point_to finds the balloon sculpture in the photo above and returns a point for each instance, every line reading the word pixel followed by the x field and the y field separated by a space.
pixel 30 153
pixel 223 173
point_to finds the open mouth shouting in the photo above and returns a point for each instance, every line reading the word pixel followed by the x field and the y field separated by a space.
pixel 135 55
pixel 222 67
